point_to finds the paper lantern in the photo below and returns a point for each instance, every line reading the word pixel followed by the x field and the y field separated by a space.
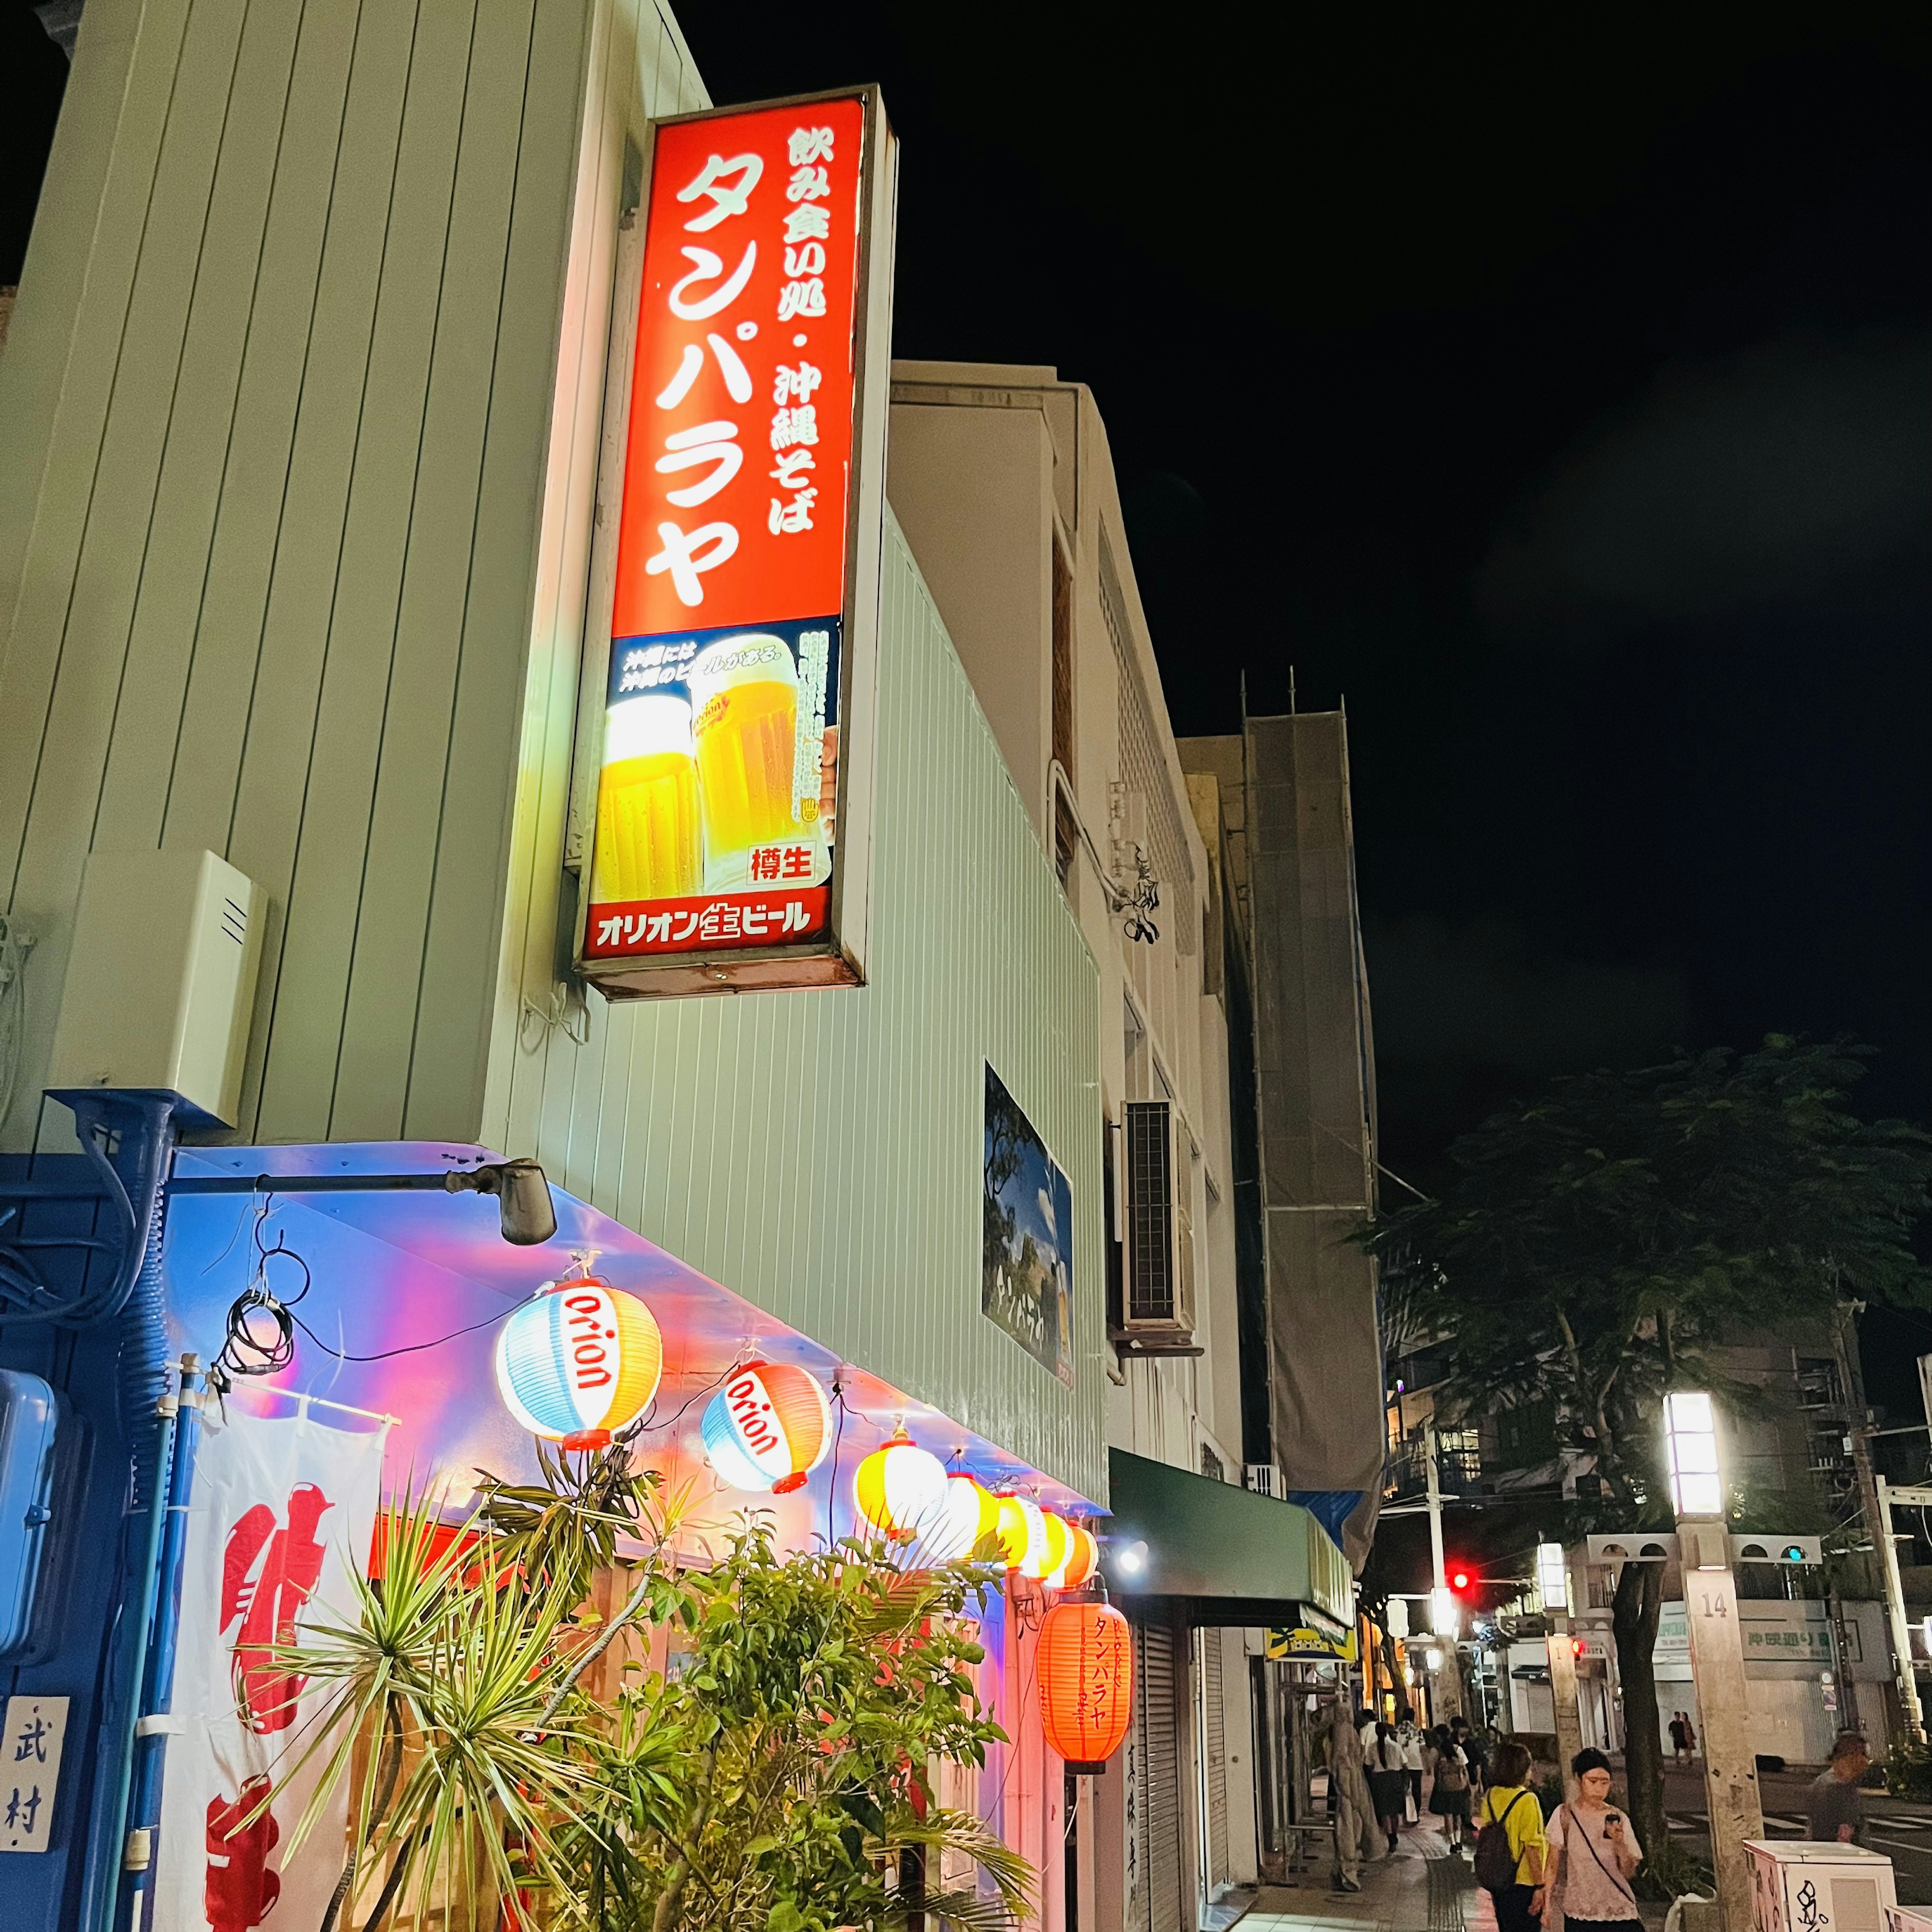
pixel 768 1428
pixel 900 1489
pixel 579 1361
pixel 1056 1547
pixel 1086 1665
pixel 968 1516
pixel 1084 1560
pixel 1022 1535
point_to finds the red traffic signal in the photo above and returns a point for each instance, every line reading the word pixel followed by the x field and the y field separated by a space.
pixel 1458 1579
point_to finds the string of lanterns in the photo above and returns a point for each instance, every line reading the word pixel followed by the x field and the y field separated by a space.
pixel 580 1362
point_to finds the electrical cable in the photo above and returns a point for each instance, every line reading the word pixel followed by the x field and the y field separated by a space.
pixel 837 1438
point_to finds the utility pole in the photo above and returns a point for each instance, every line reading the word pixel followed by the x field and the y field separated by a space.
pixel 1894 1602
pixel 1445 1686
pixel 1878 1525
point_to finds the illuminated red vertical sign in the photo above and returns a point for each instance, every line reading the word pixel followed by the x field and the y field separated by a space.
pixel 743 614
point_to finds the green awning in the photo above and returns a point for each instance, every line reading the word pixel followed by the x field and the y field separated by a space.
pixel 1223 1555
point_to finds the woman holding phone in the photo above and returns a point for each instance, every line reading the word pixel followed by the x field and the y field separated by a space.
pixel 1593 1856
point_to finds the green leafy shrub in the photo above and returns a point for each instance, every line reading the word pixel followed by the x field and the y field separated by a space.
pixel 1907 1768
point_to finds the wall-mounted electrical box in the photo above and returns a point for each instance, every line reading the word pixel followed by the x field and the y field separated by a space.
pixel 161 982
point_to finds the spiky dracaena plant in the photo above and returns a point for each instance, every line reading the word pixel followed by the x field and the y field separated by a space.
pixel 776 1782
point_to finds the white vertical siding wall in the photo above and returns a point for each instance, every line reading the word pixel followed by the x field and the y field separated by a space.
pixel 274 416
pixel 820 1153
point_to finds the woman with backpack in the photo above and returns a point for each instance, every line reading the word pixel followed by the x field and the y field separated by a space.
pixel 1449 1795
pixel 1593 1856
pixel 1509 1846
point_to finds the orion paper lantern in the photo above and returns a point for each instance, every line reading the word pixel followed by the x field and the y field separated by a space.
pixel 900 1489
pixel 1022 1535
pixel 1056 1547
pixel 1083 1561
pixel 768 1428
pixel 969 1517
pixel 579 1361
pixel 1086 1665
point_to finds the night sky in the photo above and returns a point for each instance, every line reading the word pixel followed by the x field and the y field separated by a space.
pixel 1554 390
pixel 1562 404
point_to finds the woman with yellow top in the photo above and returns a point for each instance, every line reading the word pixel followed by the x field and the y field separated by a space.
pixel 1511 1806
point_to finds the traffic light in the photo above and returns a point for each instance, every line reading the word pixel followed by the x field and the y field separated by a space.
pixel 1459 1578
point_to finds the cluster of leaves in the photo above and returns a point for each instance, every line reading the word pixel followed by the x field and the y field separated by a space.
pixel 1907 1767
pixel 773 1780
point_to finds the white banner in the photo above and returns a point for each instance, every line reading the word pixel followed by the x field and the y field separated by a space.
pixel 281 1519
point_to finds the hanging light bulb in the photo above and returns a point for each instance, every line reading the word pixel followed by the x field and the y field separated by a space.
pixel 579 1361
pixel 768 1428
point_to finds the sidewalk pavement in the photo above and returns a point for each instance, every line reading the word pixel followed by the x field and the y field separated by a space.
pixel 1418 1888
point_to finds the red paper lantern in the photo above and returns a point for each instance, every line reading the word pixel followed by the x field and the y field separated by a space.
pixel 1086 1671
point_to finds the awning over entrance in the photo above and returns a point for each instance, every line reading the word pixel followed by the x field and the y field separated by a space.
pixel 1222 1555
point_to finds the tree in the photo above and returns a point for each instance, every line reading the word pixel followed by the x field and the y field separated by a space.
pixel 1596 1244
pixel 776 1782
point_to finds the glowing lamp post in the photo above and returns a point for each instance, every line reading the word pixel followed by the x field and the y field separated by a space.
pixel 1716 1645
pixel 1553 1583
pixel 1552 1576
pixel 1691 1451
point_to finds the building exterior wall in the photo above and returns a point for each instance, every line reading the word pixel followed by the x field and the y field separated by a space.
pixel 275 403
pixel 820 1153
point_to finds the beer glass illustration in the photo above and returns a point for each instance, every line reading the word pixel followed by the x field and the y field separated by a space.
pixel 744 695
pixel 649 845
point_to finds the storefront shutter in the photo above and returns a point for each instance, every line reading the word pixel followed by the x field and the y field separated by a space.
pixel 1157 1809
pixel 1215 1732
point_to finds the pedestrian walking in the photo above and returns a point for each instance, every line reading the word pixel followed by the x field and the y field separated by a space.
pixel 1449 1791
pixel 1592 1856
pixel 1388 1782
pixel 1475 1748
pixel 1834 1809
pixel 1680 1738
pixel 1349 1800
pixel 1510 1845
pixel 1408 1735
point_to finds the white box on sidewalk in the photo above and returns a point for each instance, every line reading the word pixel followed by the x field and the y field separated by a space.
pixel 1903 1919
pixel 1798 1886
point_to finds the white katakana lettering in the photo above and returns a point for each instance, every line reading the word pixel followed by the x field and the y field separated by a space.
pixel 796 919
pixel 704 442
pixel 808 223
pixel 657 928
pixel 707 267
pixel 737 377
pixel 808 144
pixel 688 928
pixel 755 918
pixel 808 185
pixel 791 426
pixel 725 201
pixel 607 930
pixel 681 556
pixel 806 297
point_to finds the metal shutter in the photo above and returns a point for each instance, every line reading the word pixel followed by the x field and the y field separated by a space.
pixel 1157 1807
pixel 1215 1732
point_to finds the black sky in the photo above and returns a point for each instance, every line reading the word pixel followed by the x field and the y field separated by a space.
pixel 1556 389
pixel 1559 396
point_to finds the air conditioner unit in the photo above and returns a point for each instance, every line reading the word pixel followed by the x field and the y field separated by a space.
pixel 1265 1480
pixel 1157 1300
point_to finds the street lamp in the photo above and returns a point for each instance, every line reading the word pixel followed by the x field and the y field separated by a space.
pixel 1552 1576
pixel 1731 1800
pixel 1444 1614
pixel 1690 1447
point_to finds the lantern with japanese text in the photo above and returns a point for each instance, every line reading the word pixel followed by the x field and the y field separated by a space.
pixel 900 1489
pixel 1022 1535
pixel 579 1361
pixel 768 1428
pixel 1086 1664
